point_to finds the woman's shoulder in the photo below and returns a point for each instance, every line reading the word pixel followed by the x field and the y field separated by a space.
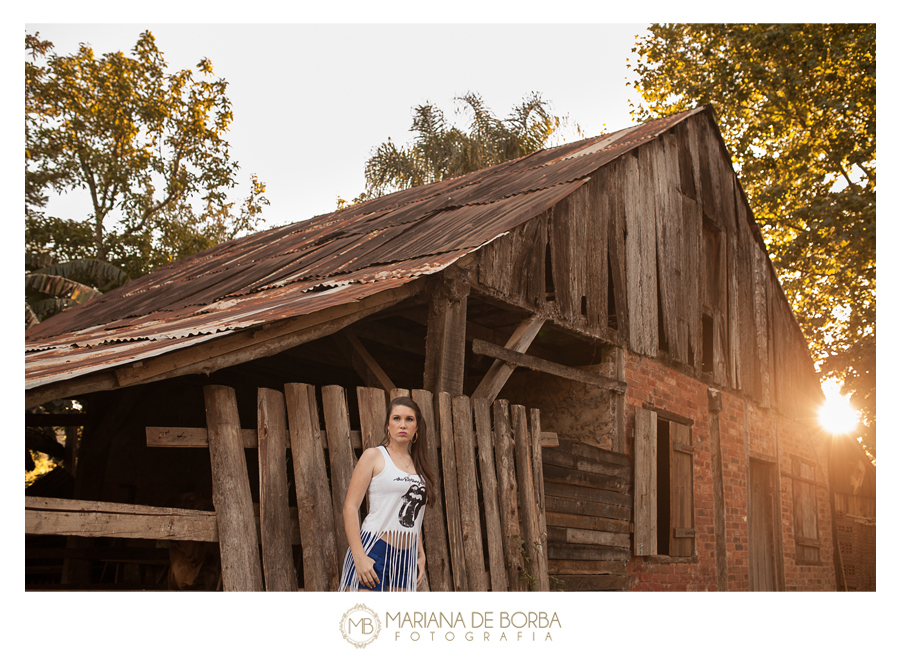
pixel 372 457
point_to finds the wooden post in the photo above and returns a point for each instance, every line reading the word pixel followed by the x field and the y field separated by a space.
pixel 499 372
pixel 482 412
pixel 372 410
pixel 508 495
pixel 238 539
pixel 274 517
pixel 527 513
pixel 537 474
pixel 340 456
pixel 469 511
pixel 445 342
pixel 314 506
pixel 437 555
pixel 451 493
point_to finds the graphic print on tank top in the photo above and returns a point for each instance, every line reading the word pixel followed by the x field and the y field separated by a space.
pixel 413 501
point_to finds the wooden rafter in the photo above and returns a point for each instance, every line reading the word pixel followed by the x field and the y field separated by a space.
pixel 541 365
pixel 500 371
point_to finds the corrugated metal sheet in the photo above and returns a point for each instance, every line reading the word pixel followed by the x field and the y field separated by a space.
pixel 314 264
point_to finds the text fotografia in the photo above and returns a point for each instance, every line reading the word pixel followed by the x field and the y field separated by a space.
pixel 480 626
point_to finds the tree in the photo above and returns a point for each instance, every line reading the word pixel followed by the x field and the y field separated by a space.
pixel 440 150
pixel 51 288
pixel 148 147
pixel 796 105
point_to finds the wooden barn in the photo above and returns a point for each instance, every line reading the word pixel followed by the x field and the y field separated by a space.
pixel 617 393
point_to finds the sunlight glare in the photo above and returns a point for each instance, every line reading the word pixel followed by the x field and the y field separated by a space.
pixel 836 414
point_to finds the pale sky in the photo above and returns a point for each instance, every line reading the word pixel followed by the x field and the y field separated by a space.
pixel 311 101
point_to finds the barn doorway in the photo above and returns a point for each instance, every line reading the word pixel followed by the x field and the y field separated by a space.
pixel 762 527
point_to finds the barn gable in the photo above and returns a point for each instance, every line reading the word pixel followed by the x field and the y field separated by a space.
pixel 618 285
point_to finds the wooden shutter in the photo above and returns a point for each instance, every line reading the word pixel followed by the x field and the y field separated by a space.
pixel 645 542
pixel 681 479
pixel 806 512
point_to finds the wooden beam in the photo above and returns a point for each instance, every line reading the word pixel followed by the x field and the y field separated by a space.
pixel 196 437
pixel 371 373
pixel 433 529
pixel 241 569
pixel 534 363
pixel 321 566
pixel 89 519
pixel 469 510
pixel 482 413
pixel 445 342
pixel 500 371
pixel 274 515
pixel 451 492
pixel 508 494
pixel 341 457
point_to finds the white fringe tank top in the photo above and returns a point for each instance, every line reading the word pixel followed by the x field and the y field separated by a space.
pixel 396 509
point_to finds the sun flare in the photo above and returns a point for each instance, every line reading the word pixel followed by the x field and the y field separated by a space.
pixel 837 415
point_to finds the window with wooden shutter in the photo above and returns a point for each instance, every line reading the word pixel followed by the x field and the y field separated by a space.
pixel 663 486
pixel 806 510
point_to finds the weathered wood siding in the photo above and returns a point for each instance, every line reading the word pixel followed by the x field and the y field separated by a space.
pixel 659 251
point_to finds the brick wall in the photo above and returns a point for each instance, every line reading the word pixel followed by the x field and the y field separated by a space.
pixel 745 430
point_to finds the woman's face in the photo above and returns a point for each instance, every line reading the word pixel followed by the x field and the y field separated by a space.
pixel 402 424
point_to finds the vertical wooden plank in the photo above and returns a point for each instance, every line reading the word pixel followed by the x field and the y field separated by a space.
pixel 314 505
pixel 640 220
pixel 761 323
pixel 341 457
pixel 482 413
pixel 238 545
pixel 508 495
pixel 445 342
pixel 692 222
pixel 645 496
pixel 451 493
pixel 537 476
pixel 437 555
pixel 398 393
pixel 469 510
pixel 682 495
pixel 531 533
pixel 618 266
pixel 595 254
pixel 372 411
pixel 668 248
pixel 274 517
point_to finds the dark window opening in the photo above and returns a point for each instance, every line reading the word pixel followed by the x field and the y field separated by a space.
pixel 584 306
pixel 707 343
pixel 663 506
pixel 548 276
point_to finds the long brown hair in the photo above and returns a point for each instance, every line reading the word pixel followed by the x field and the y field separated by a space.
pixel 418 449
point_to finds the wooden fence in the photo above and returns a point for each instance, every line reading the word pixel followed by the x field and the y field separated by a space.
pixel 487 530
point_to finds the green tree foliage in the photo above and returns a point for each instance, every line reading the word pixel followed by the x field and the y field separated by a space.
pixel 796 105
pixel 148 148
pixel 440 150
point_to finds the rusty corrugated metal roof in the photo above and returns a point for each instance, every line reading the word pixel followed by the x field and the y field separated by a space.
pixel 326 261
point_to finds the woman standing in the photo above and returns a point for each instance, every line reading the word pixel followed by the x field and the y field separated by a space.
pixel 386 553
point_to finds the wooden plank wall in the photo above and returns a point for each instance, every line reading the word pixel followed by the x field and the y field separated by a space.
pixel 487 530
pixel 588 497
pixel 636 231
